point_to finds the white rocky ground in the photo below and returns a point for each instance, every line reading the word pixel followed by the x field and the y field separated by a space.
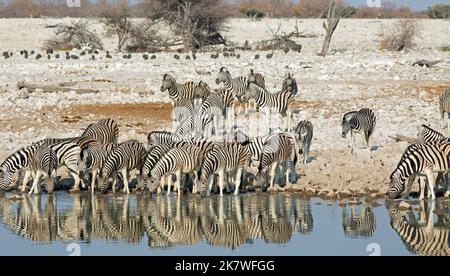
pixel 357 75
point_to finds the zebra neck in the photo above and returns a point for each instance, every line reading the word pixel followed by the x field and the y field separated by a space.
pixel 173 91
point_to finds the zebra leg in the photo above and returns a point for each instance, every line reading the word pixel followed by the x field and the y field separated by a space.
pixel 194 182
pixel 448 121
pixel 94 176
pixel 221 181
pixel 126 189
pixel 272 175
pixel 25 180
pixel 305 154
pixel 353 141
pixel 76 178
pixel 423 182
pixel 430 177
pixel 288 170
pixel 237 181
pixel 35 186
pixel 210 183
pixel 178 183
pixel 169 184
pixel 409 186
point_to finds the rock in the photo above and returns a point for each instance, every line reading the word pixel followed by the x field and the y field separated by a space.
pixel 251 188
pixel 23 94
pixel 404 206
pixel 288 187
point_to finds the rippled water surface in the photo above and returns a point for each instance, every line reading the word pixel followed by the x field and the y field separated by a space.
pixel 250 224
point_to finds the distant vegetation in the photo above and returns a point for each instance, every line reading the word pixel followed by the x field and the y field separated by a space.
pixel 240 8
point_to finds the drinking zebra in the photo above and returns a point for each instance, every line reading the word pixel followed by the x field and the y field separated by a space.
pixel 104 131
pixel 280 149
pixel 425 159
pixel 222 158
pixel 184 159
pixel 126 157
pixel 93 160
pixel 304 135
pixel 362 122
pixel 162 137
pixel 43 163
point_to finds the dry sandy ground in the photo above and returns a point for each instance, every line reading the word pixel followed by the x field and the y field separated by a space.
pixel 357 75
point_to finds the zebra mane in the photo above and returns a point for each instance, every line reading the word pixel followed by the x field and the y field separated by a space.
pixel 431 130
pixel 348 116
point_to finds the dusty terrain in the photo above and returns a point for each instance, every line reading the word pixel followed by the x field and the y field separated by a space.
pixel 357 75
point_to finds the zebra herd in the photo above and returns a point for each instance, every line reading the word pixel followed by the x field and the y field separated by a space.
pixel 198 160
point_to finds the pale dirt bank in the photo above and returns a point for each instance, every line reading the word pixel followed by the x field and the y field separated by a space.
pixel 358 75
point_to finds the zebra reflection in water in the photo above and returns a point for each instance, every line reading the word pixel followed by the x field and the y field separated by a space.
pixel 229 222
pixel 423 235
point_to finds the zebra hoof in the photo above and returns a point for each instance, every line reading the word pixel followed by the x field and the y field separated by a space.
pixel 73 191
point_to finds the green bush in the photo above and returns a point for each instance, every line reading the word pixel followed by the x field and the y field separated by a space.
pixel 438 11
pixel 252 13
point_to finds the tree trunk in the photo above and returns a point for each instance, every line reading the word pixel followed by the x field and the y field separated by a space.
pixel 330 27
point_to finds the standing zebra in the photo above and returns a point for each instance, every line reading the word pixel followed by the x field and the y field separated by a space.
pixel 126 157
pixel 425 159
pixel 280 148
pixel 182 108
pixel 177 90
pixel 162 137
pixel 304 135
pixel 222 158
pixel 197 124
pixel 256 78
pixel 176 161
pixel 279 102
pixel 444 106
pixel 427 134
pixel 104 131
pixel 362 122
pixel 254 144
pixel 290 85
pixel 93 160
pixel 202 91
pixel 236 86
pixel 44 163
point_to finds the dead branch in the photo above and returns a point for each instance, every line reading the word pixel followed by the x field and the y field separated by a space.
pixel 403 138
pixel 426 63
pixel 330 27
pixel 283 40
pixel 49 88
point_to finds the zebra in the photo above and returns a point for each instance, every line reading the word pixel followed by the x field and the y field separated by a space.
pixel 162 137
pixel 236 86
pixel 126 157
pixel 427 134
pixel 216 106
pixel 104 131
pixel 279 102
pixel 202 91
pixel 444 106
pixel 304 135
pixel 43 163
pixel 290 85
pixel 426 239
pixel 184 159
pixel 93 161
pixel 256 78
pixel 279 148
pixel 222 158
pixel 176 90
pixel 255 144
pixel 361 224
pixel 182 108
pixel 197 124
pixel 363 122
pixel 420 159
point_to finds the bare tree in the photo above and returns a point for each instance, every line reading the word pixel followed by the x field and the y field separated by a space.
pixel 118 23
pixel 197 22
pixel 73 35
pixel 330 27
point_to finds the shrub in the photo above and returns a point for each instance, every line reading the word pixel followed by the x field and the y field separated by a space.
pixel 74 35
pixel 438 11
pixel 400 37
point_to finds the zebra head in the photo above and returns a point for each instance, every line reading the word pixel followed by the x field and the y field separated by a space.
pixel 5 178
pixel 103 180
pixel 262 180
pixel 223 76
pixel 396 185
pixel 86 161
pixel 202 183
pixel 202 90
pixel 290 84
pixel 167 82
pixel 152 183
pixel 347 124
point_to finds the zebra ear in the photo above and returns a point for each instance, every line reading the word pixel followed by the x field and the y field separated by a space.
pixel 251 71
pixel 288 75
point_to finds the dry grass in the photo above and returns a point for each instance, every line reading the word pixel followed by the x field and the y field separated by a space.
pixel 400 37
